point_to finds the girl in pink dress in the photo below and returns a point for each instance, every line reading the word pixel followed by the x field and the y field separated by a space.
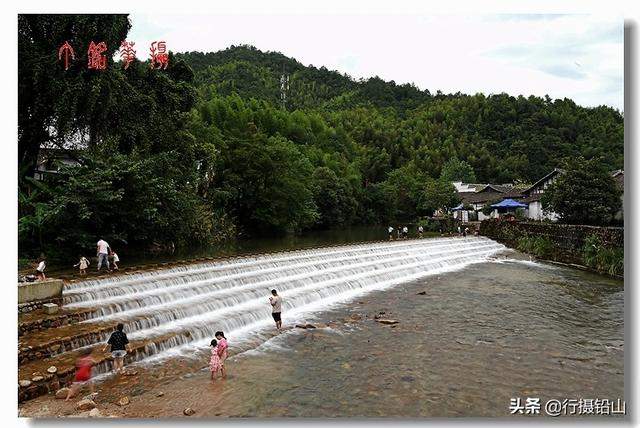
pixel 222 351
pixel 214 364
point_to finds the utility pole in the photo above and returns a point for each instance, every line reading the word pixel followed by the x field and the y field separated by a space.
pixel 284 88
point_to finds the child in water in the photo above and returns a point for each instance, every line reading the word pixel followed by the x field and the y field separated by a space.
pixel 222 351
pixel 214 364
pixel 116 259
pixel 83 264
pixel 84 364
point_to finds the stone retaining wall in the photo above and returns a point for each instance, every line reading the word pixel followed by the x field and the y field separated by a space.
pixel 567 239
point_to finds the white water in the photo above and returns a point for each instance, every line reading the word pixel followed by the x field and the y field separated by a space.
pixel 181 308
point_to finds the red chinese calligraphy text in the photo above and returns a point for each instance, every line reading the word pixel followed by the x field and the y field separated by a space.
pixel 96 60
pixel 159 55
pixel 66 50
pixel 127 53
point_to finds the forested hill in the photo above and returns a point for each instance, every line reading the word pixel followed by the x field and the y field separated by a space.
pixel 504 138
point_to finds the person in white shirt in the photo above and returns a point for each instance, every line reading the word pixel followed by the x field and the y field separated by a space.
pixel 116 259
pixel 40 269
pixel 276 308
pixel 420 231
pixel 390 233
pixel 102 253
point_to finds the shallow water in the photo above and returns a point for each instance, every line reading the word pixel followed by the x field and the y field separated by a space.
pixel 476 338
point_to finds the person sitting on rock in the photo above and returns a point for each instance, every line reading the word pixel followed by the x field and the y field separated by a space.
pixel 84 365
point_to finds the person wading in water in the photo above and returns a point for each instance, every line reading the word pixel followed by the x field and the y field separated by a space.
pixel 276 308
pixel 119 344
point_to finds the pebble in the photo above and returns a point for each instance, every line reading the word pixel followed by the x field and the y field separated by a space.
pixel 37 378
pixel 123 401
pixel 160 394
pixel 52 369
pixel 24 383
pixel 188 411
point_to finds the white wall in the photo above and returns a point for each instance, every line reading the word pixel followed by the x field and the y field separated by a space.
pixel 537 213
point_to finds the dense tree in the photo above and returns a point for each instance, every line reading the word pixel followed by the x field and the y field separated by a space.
pixel 456 170
pixel 585 193
pixel 54 103
pixel 437 194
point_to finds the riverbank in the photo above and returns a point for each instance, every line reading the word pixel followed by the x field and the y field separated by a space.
pixel 465 343
pixel 595 248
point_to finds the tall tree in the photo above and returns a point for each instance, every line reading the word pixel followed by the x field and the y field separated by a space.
pixel 54 103
pixel 457 170
pixel 585 193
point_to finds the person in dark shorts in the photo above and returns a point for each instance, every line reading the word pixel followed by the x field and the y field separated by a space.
pixel 276 308
pixel 119 344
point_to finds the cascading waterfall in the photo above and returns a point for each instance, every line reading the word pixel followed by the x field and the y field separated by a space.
pixel 170 310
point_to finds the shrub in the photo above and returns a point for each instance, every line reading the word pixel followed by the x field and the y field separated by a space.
pixel 536 245
pixel 602 258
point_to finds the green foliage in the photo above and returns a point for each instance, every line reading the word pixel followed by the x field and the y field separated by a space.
pixel 334 198
pixel 539 246
pixel 456 170
pixel 600 257
pixel 585 193
pixel 123 199
pixel 437 194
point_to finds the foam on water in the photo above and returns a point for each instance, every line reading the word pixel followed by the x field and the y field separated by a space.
pixel 182 307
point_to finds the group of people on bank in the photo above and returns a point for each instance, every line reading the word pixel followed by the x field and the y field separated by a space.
pixel 403 232
pixel 105 254
pixel 118 343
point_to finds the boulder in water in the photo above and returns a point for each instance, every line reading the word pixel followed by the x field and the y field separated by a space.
pixel 387 321
pixel 188 411
pixel 305 326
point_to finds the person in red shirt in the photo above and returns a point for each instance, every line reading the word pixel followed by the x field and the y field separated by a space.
pixel 84 365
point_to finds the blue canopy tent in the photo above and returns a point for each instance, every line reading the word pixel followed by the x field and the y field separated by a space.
pixel 509 204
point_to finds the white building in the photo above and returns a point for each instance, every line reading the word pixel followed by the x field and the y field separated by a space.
pixel 533 194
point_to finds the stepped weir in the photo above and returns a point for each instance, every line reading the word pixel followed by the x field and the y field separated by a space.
pixel 175 311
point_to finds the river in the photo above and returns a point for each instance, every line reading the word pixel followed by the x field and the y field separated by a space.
pixel 466 342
